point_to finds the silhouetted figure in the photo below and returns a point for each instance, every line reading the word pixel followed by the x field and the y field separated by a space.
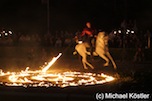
pixel 87 36
pixel 139 55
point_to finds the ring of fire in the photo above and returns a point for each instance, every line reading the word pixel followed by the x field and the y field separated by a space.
pixel 42 78
pixel 38 79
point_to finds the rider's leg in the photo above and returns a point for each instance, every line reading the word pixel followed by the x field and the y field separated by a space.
pixel 91 48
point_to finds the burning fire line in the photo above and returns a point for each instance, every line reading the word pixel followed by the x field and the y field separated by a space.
pixel 51 63
pixel 41 78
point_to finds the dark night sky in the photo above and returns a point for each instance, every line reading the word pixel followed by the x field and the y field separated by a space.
pixel 30 16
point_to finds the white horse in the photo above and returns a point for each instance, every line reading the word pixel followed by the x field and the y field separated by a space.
pixel 101 49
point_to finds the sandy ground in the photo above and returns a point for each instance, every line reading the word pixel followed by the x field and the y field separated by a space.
pixel 131 77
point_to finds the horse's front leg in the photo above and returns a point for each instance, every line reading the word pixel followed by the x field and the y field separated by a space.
pixel 89 65
pixel 84 61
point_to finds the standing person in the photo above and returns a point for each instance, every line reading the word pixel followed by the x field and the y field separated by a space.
pixel 87 36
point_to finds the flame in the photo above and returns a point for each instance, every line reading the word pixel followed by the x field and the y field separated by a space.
pixel 51 63
pixel 41 78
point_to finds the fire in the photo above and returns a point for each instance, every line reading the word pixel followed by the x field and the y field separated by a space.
pixel 43 78
pixel 39 79
pixel 51 63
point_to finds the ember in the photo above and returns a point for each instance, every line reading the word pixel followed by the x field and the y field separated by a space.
pixel 43 78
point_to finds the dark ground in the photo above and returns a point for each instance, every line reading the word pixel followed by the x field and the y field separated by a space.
pixel 133 77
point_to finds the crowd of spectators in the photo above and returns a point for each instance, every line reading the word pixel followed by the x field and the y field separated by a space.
pixel 59 39
pixel 124 37
pixel 56 39
pixel 121 39
pixel 118 38
pixel 129 39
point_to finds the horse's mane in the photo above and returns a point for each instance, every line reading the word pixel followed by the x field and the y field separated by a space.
pixel 102 40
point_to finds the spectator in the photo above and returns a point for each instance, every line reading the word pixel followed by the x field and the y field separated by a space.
pixel 58 43
pixel 139 55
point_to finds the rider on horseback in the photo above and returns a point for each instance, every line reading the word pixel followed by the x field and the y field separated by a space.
pixel 87 36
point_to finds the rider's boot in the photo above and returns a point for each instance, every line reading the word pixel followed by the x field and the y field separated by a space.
pixel 91 53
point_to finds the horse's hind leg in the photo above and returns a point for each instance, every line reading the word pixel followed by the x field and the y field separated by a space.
pixel 105 58
pixel 110 57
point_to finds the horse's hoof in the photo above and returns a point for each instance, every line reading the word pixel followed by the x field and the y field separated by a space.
pixel 92 67
pixel 74 53
pixel 85 68
pixel 115 67
pixel 88 53
pixel 106 64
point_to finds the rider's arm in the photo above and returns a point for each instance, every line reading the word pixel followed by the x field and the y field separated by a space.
pixel 86 32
